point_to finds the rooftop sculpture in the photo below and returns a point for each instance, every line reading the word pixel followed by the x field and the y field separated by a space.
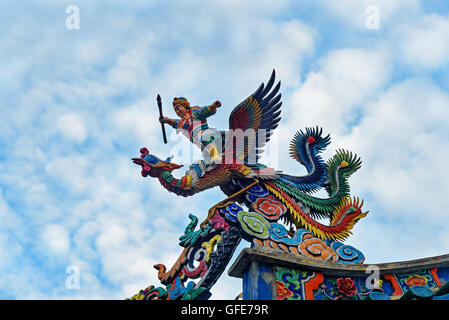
pixel 276 212
pixel 261 202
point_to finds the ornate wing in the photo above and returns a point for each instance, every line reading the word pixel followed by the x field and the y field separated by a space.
pixel 257 116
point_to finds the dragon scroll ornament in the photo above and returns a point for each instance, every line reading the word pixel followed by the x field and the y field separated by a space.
pixel 263 206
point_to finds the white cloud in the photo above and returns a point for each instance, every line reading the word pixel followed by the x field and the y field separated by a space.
pixel 91 52
pixel 71 171
pixel 332 96
pixel 403 139
pixel 71 126
pixel 131 69
pixel 7 216
pixel 137 122
pixel 56 238
pixel 424 43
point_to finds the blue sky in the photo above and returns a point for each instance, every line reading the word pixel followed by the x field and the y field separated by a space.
pixel 76 105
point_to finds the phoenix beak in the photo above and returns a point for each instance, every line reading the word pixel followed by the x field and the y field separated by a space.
pixel 138 161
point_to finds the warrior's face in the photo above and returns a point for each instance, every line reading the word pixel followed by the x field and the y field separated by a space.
pixel 180 110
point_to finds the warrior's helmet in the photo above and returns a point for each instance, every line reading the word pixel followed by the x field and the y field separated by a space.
pixel 182 101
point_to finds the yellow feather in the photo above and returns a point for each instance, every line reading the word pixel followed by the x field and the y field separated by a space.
pixel 188 179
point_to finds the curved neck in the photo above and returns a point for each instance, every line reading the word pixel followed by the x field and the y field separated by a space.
pixel 180 187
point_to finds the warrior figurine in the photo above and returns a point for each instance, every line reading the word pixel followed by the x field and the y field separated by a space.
pixel 193 124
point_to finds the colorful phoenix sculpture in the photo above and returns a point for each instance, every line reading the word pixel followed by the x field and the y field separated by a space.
pixel 264 206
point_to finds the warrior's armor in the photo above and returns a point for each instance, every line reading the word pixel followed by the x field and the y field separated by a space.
pixel 194 126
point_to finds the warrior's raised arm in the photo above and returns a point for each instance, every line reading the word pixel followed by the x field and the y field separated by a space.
pixel 183 110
